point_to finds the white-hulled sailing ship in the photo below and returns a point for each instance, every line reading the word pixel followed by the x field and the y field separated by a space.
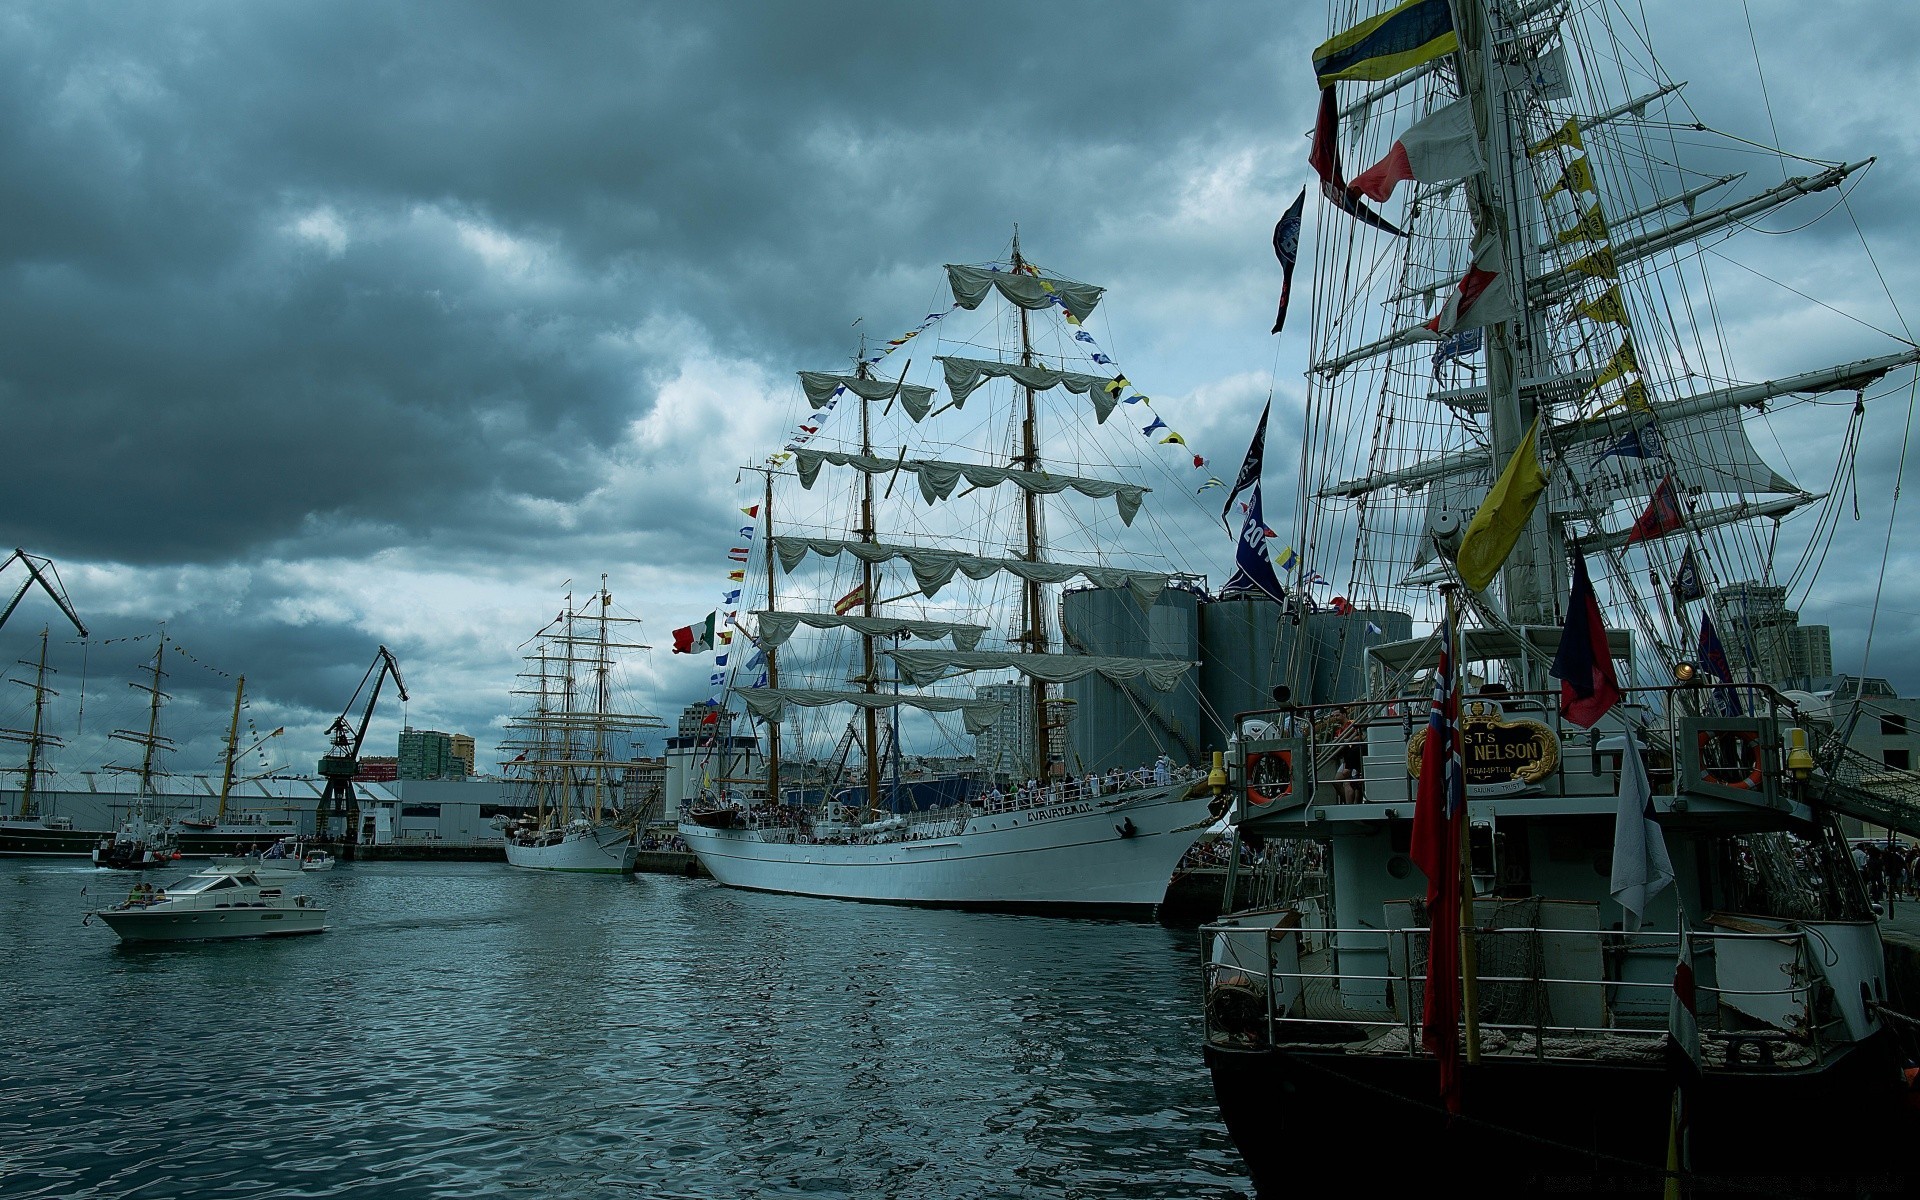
pixel 1056 839
pixel 566 770
pixel 1547 221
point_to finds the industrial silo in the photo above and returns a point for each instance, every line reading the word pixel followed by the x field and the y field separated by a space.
pixel 1246 647
pixel 1339 642
pixel 1128 724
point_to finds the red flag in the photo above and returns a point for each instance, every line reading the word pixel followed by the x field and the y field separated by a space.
pixel 1324 158
pixel 1663 515
pixel 1439 819
pixel 1584 665
pixel 712 718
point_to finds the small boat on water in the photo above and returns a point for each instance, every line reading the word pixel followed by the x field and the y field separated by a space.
pixel 217 904
pixel 317 860
pixel 283 860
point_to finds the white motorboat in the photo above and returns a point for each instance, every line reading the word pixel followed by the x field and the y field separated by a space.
pixel 284 860
pixel 217 904
pixel 317 860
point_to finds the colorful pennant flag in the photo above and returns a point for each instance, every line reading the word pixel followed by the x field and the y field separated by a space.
pixel 694 638
pixel 1441 146
pixel 1251 466
pixel 1503 515
pixel 1381 47
pixel 1584 665
pixel 1286 247
pixel 1608 307
pixel 1324 158
pixel 1173 438
pixel 1439 818
pixel 1157 424
pixel 1662 516
pixel 1686 580
pixel 1577 177
pixel 1567 135
pixel 1253 570
pixel 852 600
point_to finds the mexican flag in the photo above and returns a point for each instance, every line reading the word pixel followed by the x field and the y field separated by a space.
pixel 694 638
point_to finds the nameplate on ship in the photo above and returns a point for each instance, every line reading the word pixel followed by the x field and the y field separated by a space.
pixel 1499 757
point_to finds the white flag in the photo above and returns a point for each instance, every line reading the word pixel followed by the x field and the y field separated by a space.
pixel 1641 868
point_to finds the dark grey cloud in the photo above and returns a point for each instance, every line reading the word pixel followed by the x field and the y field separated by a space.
pixel 323 325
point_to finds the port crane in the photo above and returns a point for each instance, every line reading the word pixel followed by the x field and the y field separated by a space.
pixel 41 571
pixel 342 762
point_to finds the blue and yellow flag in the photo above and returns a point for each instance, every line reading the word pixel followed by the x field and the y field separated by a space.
pixel 1397 40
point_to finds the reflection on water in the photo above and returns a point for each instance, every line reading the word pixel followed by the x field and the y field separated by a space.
pixel 468 1029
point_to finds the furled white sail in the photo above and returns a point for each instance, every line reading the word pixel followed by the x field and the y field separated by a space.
pixel 939 479
pixel 922 667
pixel 769 703
pixel 820 387
pixel 966 374
pixel 777 627
pixel 933 569
pixel 970 286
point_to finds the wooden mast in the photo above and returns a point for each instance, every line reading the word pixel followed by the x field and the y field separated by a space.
pixel 30 775
pixel 1029 459
pixel 233 746
pixel 773 664
pixel 868 669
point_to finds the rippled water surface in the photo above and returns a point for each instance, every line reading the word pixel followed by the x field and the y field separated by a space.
pixel 467 1029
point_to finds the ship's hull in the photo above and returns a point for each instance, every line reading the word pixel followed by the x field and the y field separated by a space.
pixel 1544 1126
pixel 214 925
pixel 230 839
pixel 597 849
pixel 1089 855
pixel 30 838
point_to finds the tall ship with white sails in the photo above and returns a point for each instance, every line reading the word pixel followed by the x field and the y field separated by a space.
pixel 1520 410
pixel 565 769
pixel 869 557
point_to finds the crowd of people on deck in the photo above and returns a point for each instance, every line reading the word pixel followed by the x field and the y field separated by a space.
pixel 1063 788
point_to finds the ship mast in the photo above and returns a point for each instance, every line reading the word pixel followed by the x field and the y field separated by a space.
pixel 1035 637
pixel 1530 577
pixel 233 746
pixel 150 741
pixel 602 704
pixel 773 665
pixel 868 671
pixel 30 774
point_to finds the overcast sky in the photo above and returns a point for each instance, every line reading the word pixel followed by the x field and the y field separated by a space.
pixel 327 325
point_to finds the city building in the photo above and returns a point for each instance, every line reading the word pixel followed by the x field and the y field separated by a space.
pixel 377 768
pixel 463 749
pixel 706 755
pixel 428 754
pixel 1004 749
pixel 1764 639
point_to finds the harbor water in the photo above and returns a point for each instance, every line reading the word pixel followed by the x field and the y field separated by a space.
pixel 469 1029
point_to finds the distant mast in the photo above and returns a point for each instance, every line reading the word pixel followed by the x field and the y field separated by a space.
pixel 37 737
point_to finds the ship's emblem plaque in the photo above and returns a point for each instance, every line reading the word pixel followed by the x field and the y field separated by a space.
pixel 1499 756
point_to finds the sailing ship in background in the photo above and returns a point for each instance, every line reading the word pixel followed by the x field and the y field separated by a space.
pixel 226 832
pixel 146 839
pixel 1646 867
pixel 28 831
pixel 1063 839
pixel 566 769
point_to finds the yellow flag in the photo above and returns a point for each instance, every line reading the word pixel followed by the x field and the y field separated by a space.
pixel 1567 135
pixel 1578 177
pixel 1609 307
pixel 1592 227
pixel 1175 438
pixel 1622 362
pixel 1503 515
pixel 1599 264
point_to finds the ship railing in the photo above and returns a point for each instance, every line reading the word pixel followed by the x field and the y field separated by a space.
pixel 1357 751
pixel 1263 988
